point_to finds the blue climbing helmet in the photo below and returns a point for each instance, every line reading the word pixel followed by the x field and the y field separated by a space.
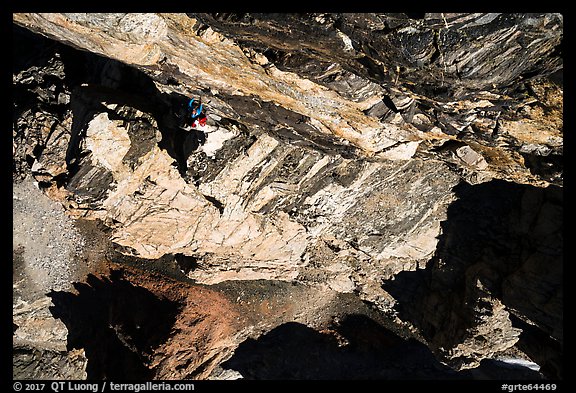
pixel 195 113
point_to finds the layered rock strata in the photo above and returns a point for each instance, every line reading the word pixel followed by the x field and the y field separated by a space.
pixel 412 161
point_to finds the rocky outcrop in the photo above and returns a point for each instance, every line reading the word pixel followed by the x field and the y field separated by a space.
pixel 46 256
pixel 413 161
pixel 486 243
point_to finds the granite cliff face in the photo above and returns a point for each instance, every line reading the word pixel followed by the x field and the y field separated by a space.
pixel 400 173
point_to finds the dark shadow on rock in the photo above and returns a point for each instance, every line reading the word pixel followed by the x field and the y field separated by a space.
pixel 549 168
pixel 116 323
pixel 500 241
pixel 294 351
pixel 546 351
pixel 357 348
pixel 290 126
pixel 89 80
pixel 28 48
pixel 186 263
pixel 136 90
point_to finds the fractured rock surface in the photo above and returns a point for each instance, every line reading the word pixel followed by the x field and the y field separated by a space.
pixel 407 168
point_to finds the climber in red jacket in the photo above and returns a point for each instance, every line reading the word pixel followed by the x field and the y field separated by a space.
pixel 197 113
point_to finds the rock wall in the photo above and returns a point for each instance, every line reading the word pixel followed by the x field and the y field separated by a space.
pixel 414 161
